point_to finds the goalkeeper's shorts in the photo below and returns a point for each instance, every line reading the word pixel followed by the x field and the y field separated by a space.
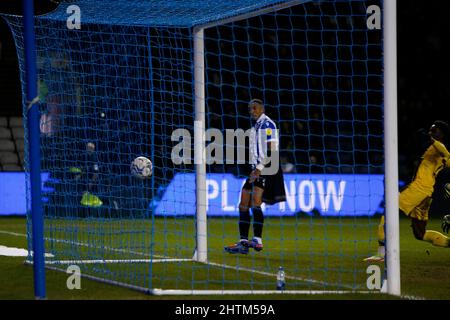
pixel 415 203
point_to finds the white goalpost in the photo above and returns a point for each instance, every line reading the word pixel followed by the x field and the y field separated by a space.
pixel 200 254
pixel 391 147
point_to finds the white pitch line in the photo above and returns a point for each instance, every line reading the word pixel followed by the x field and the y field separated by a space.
pixel 13 233
pixel 114 261
pixel 318 282
pixel 408 297
pixel 210 263
pixel 83 244
pixel 165 257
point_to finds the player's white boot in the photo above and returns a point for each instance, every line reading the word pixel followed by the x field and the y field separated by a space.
pixel 378 257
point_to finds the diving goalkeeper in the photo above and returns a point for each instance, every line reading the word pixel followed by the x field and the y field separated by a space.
pixel 415 200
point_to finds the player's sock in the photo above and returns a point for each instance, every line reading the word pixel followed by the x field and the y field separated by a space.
pixel 379 257
pixel 436 238
pixel 244 224
pixel 381 249
pixel 381 238
pixel 381 230
pixel 258 222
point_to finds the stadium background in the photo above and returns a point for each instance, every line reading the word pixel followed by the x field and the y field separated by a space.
pixel 423 73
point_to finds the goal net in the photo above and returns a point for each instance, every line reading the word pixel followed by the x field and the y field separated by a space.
pixel 124 79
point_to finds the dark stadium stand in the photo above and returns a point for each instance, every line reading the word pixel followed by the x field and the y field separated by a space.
pixel 11 144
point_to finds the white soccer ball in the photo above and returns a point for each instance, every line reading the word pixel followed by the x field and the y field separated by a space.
pixel 141 167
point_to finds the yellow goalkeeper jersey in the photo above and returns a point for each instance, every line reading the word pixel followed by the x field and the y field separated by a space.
pixel 435 158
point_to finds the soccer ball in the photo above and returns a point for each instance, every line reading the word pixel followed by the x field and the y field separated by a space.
pixel 141 167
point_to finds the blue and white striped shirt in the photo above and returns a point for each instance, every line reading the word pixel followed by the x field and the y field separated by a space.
pixel 262 132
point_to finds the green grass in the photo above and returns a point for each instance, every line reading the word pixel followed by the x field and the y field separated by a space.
pixel 317 254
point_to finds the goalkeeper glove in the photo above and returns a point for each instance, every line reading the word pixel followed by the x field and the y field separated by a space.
pixel 446 223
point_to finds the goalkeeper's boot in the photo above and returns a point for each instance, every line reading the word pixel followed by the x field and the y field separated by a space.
pixel 255 244
pixel 75 170
pixel 375 258
pixel 379 257
pixel 240 247
pixel 90 200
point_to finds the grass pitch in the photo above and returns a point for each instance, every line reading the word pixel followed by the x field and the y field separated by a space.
pixel 317 254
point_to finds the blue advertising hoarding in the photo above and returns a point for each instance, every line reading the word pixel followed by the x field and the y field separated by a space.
pixel 13 192
pixel 327 194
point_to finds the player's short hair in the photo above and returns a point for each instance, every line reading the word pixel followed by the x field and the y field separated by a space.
pixel 257 101
pixel 445 129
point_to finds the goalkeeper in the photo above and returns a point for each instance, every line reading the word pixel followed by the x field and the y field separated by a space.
pixel 260 186
pixel 415 200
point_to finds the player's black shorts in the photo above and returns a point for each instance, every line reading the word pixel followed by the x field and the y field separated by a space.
pixel 260 182
pixel 273 186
